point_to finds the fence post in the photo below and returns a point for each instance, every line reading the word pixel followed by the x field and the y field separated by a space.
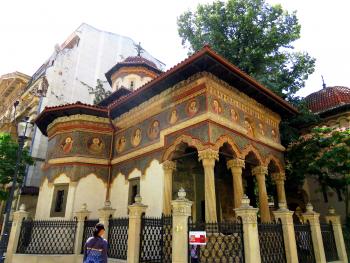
pixel 18 218
pixel 181 211
pixel 81 216
pixel 104 214
pixel 338 234
pixel 135 213
pixel 250 231
pixel 316 235
pixel 286 217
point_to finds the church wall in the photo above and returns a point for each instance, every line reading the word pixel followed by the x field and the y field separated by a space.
pixel 92 191
pixel 119 195
pixel 44 198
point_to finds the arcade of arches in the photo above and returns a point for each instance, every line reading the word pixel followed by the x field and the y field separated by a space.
pixel 216 178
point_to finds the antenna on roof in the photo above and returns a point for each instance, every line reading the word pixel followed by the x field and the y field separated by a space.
pixel 323 84
pixel 139 49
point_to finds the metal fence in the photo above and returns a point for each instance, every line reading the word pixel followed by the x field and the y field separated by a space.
pixel 5 238
pixel 89 226
pixel 156 239
pixel 271 243
pixel 346 234
pixel 304 243
pixel 47 237
pixel 118 238
pixel 224 242
pixel 329 245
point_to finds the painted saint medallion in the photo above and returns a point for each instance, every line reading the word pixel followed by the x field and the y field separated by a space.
pixel 153 130
pixel 216 107
pixel 234 115
pixel 192 107
pixel 121 144
pixel 173 116
pixel 95 145
pixel 67 144
pixel 136 137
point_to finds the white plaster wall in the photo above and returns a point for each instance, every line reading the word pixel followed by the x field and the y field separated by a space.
pixel 44 204
pixel 119 195
pixel 92 191
pixel 126 80
pixel 151 189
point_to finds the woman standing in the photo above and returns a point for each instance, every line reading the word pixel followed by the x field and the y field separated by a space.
pixel 95 249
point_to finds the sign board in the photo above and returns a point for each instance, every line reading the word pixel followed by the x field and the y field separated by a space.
pixel 198 238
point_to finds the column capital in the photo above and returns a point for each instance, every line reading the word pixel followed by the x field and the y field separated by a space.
pixel 208 154
pixel 235 163
pixel 169 165
pixel 278 176
pixel 259 170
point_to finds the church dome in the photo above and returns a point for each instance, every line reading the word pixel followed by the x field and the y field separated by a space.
pixel 328 98
pixel 138 60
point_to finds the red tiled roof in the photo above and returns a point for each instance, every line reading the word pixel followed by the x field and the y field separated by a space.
pixel 328 98
pixel 139 60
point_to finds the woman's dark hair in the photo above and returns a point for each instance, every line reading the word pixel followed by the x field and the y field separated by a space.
pixel 98 228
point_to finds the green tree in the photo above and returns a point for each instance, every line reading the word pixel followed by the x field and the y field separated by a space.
pixel 324 153
pixel 99 92
pixel 253 35
pixel 8 157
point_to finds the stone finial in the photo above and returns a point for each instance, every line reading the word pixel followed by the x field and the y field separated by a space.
pixel 22 208
pixel 331 210
pixel 138 199
pixel 309 208
pixel 84 207
pixel 245 203
pixel 108 203
pixel 181 194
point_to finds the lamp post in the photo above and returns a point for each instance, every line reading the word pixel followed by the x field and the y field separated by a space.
pixel 24 129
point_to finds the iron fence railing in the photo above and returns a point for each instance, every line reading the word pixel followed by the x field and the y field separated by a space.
pixel 271 242
pixel 118 238
pixel 304 244
pixel 224 242
pixel 47 237
pixel 346 234
pixel 329 245
pixel 156 236
pixel 89 226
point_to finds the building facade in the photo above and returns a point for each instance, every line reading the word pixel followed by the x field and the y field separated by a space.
pixel 203 125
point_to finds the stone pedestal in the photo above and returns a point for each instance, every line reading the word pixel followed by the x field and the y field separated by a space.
pixel 250 231
pixel 208 158
pixel 181 212
pixel 18 218
pixel 314 219
pixel 104 214
pixel 168 168
pixel 338 234
pixel 286 218
pixel 135 213
pixel 259 172
pixel 81 216
pixel 236 166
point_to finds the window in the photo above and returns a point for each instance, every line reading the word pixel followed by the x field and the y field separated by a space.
pixel 134 189
pixel 58 207
pixel 132 84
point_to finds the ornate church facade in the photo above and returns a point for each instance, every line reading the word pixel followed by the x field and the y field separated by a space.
pixel 203 125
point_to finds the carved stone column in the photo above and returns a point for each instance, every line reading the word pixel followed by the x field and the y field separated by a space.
pixel 168 167
pixel 259 172
pixel 236 166
pixel 279 179
pixel 208 158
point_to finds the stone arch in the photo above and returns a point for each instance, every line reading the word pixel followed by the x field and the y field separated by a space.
pixel 192 142
pixel 275 161
pixel 251 149
pixel 227 139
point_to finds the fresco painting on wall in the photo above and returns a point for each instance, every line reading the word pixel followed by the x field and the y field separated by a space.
pixel 136 138
pixel 173 116
pixel 67 144
pixel 153 130
pixel 121 144
pixel 192 108
pixel 95 145
pixel 216 107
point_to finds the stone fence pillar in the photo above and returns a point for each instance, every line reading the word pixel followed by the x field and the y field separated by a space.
pixel 18 218
pixel 250 231
pixel 81 216
pixel 104 214
pixel 314 220
pixel 181 211
pixel 135 213
pixel 286 218
pixel 338 234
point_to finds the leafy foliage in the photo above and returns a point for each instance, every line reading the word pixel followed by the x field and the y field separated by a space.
pixel 99 92
pixel 8 157
pixel 324 153
pixel 253 35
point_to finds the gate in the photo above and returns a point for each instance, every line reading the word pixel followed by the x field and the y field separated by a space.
pixel 118 238
pixel 156 239
pixel 271 242
pixel 224 241
pixel 304 243
pixel 329 245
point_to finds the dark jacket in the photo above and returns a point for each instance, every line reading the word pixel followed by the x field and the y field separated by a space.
pixel 95 250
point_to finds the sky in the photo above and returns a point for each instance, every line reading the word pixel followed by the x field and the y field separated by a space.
pixel 31 28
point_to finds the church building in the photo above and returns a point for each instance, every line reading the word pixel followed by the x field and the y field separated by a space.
pixel 203 125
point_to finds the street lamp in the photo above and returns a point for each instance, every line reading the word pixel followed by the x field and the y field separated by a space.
pixel 24 128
